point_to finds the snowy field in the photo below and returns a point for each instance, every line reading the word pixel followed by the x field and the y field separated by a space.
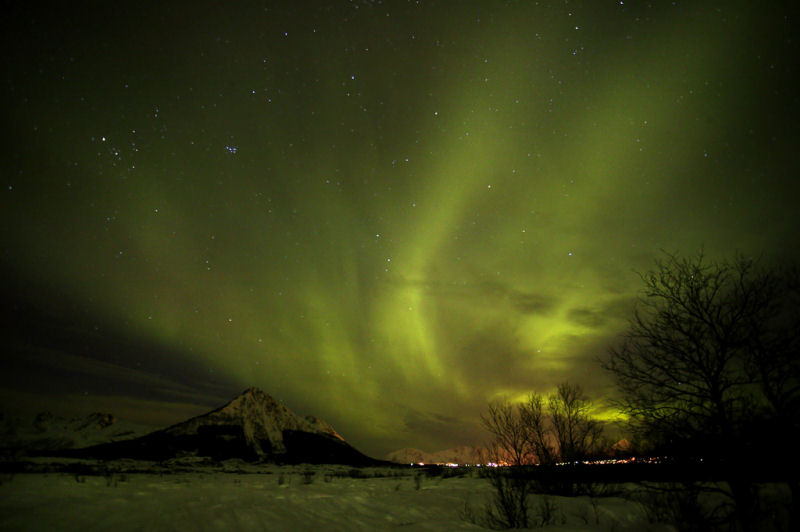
pixel 275 498
pixel 247 497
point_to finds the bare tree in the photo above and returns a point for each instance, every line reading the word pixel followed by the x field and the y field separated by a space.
pixel 576 432
pixel 511 435
pixel 705 351
pixel 536 419
pixel 773 340
pixel 711 353
pixel 549 429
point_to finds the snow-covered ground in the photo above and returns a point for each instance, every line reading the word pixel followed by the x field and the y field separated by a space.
pixel 274 498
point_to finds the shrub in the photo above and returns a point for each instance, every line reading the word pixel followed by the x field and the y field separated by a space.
pixel 508 507
pixel 678 505
pixel 548 513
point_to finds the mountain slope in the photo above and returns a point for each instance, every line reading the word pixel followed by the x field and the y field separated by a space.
pixel 261 419
pixel 52 432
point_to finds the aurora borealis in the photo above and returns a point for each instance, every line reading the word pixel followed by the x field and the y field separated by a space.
pixel 382 213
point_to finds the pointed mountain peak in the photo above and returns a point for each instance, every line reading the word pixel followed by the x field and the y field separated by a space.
pixel 255 402
pixel 257 396
pixel 253 391
pixel 259 418
pixel 252 426
pixel 254 394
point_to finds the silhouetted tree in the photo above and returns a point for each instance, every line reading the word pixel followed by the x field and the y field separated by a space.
pixel 575 431
pixel 709 364
pixel 511 435
pixel 549 429
pixel 536 418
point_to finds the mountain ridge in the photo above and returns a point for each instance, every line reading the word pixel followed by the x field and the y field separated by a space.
pixel 263 420
pixel 462 454
pixel 253 426
pixel 48 431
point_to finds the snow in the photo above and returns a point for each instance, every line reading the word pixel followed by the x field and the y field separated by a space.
pixel 251 426
pixel 267 497
pixel 48 431
pixel 262 418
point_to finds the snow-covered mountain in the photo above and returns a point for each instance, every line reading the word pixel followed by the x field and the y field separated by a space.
pixel 262 420
pixel 52 432
pixel 253 427
pixel 622 447
pixel 457 455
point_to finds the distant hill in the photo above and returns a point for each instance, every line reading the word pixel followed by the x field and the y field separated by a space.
pixel 252 427
pixel 52 432
pixel 457 455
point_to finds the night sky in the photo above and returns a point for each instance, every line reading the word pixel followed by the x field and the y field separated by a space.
pixel 382 213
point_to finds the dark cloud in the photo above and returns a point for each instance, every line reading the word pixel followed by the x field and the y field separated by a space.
pixel 57 346
pixel 620 308
pixel 588 317
pixel 429 422
pixel 481 291
pixel 489 359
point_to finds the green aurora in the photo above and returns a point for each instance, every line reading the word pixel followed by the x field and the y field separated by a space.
pixel 384 214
